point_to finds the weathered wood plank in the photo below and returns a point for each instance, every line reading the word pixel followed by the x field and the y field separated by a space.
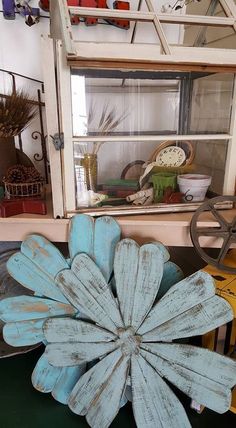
pixel 171 275
pixel 106 237
pixel 22 308
pixel 72 354
pixel 154 404
pixel 23 270
pixel 149 275
pixel 66 381
pixel 24 333
pixel 45 376
pixel 81 235
pixel 211 394
pixel 125 271
pixel 106 404
pixel 90 386
pixel 85 287
pixel 98 242
pixel 181 297
pixel 202 361
pixel 198 320
pixel 44 254
pixel 70 330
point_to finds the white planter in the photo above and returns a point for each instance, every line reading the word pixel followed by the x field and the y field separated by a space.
pixel 193 186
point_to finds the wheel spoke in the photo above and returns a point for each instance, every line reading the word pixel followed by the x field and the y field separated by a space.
pixel 219 218
pixel 224 249
pixel 210 231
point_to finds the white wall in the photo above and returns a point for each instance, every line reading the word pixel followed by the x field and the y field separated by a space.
pixel 20 53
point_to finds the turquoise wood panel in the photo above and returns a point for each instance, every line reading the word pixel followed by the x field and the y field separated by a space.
pixel 22 308
pixel 31 276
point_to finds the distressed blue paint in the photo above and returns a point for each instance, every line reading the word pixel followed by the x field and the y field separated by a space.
pixel 44 376
pixel 96 238
pixel 208 392
pixel 24 333
pixel 193 322
pixel 44 254
pixel 74 330
pixel 22 308
pixel 182 296
pixel 33 277
pixel 107 236
pixel 85 287
pixel 171 275
pixel 66 381
pixel 207 363
pixel 81 235
pixel 72 354
pixel 154 404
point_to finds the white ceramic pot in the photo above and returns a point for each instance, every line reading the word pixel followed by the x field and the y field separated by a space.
pixel 193 186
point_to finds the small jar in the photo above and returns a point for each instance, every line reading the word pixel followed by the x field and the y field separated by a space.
pixel 89 162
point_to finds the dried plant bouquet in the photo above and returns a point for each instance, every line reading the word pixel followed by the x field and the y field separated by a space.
pixel 108 122
pixel 16 113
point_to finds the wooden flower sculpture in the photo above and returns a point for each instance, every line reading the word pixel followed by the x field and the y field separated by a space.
pixel 36 267
pixel 132 337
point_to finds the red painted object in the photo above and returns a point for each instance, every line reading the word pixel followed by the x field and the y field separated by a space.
pixel 102 4
pixel 9 208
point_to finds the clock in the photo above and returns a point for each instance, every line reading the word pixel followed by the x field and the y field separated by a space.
pixel 171 156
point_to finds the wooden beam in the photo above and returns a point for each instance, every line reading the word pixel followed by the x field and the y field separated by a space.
pixel 140 53
pixel 142 65
pixel 149 16
pixel 229 8
pixel 159 29
pixel 66 27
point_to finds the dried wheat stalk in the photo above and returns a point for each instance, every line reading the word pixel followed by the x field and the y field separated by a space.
pixel 16 113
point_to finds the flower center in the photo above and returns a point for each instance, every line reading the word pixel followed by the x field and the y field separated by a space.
pixel 128 341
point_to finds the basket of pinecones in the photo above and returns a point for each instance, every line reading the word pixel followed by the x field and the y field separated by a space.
pixel 23 181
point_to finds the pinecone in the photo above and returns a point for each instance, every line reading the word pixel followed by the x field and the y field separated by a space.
pixel 15 174
pixel 32 175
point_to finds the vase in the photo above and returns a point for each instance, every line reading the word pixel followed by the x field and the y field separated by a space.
pixel 193 186
pixel 160 182
pixel 7 155
pixel 89 162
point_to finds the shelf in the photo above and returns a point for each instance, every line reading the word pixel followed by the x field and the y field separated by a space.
pixel 171 229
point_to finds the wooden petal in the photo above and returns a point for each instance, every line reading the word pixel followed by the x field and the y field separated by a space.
pixel 66 381
pixel 33 277
pixel 150 271
pixel 22 308
pixel 201 389
pixel 202 361
pixel 70 330
pixel 106 237
pixel 106 404
pixel 101 388
pixel 85 287
pixel 181 297
pixel 164 251
pixel 81 235
pixel 44 255
pixel 72 354
pixel 96 239
pixel 198 320
pixel 171 275
pixel 24 333
pixel 45 376
pixel 125 270
pixel 138 272
pixel 154 404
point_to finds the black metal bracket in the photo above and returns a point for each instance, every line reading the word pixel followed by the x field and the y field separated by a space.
pixel 58 140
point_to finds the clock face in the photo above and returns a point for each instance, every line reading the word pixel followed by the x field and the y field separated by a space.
pixel 171 156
